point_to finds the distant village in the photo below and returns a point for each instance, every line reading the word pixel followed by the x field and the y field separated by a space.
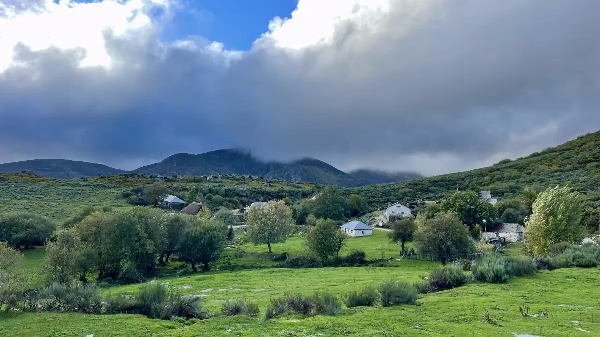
pixel 506 233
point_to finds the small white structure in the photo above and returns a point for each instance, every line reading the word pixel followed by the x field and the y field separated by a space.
pixel 258 204
pixel 397 209
pixel 487 196
pixel 357 228
pixel 508 232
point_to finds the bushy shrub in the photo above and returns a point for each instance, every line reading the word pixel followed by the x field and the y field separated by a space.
pixel 367 297
pixel 281 257
pixel 521 266
pixel 558 248
pixel 121 304
pixel 465 264
pixel 326 304
pixel 395 292
pixel 543 263
pixel 239 307
pixel 156 300
pixel 492 268
pixel 73 297
pixel 447 277
pixel 587 256
pixel 356 258
pixel 317 304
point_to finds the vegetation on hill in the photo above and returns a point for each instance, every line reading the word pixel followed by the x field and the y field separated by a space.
pixel 576 163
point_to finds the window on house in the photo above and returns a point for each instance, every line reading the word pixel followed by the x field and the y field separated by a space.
pixel 363 232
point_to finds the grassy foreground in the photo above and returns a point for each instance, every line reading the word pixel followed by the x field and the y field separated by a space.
pixel 568 296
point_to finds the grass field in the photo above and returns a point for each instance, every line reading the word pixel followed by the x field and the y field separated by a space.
pixel 474 310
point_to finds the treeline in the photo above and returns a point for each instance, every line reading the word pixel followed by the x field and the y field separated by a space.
pixel 216 195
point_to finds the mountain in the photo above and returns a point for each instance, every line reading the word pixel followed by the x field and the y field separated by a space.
pixel 226 161
pixel 576 162
pixel 59 168
pixel 236 161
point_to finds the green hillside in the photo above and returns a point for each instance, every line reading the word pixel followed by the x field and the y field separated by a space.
pixel 576 162
pixel 59 168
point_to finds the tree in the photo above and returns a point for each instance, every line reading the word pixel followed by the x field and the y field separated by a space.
pixel 529 196
pixel 557 217
pixel 225 216
pixel 24 230
pixel 270 224
pixel 326 239
pixel 202 243
pixel 469 207
pixel 357 205
pixel 402 231
pixel 311 220
pixel 193 194
pixel 175 227
pixel 204 213
pixel 68 257
pixel 152 194
pixel 330 204
pixel 444 238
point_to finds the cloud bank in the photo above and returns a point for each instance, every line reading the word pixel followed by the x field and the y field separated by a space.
pixel 427 85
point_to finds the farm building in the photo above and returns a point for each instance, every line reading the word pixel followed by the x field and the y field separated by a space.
pixel 192 208
pixel 398 209
pixel 173 202
pixel 357 228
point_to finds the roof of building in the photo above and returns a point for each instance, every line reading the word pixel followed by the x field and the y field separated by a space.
pixel 356 225
pixel 192 209
pixel 173 199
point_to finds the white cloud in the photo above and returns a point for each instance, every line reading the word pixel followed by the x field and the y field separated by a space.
pixel 432 86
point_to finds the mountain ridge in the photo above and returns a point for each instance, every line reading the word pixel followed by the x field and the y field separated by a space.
pixel 224 161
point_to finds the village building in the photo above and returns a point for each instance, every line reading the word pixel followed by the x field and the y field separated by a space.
pixel 357 228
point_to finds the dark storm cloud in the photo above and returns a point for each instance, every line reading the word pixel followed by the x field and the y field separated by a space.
pixel 467 82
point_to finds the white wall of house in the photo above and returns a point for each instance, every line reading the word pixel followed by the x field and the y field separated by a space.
pixel 358 232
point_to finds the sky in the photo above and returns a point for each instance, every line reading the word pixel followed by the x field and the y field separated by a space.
pixel 431 86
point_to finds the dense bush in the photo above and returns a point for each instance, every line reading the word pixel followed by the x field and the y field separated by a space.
pixel 72 297
pixel 317 304
pixel 301 261
pixel 156 300
pixel 447 277
pixel 367 297
pixel 395 292
pixel 239 307
pixel 25 230
pixel 492 268
pixel 558 248
pixel 587 256
pixel 521 266
pixel 356 258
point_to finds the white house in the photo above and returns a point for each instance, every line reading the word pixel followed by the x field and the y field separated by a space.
pixel 357 228
pixel 398 209
pixel 487 196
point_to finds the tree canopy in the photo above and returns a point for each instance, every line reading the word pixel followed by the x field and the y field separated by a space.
pixel 326 239
pixel 469 207
pixel 444 238
pixel 268 225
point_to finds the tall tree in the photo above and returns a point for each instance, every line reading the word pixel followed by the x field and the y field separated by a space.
pixel 326 239
pixel 202 243
pixel 402 231
pixel 270 224
pixel 357 205
pixel 330 204
pixel 469 207
pixel 444 238
pixel 152 194
pixel 175 227
pixel 68 258
pixel 24 230
pixel 557 217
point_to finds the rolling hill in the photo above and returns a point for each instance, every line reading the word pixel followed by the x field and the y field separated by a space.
pixel 59 168
pixel 226 161
pixel 576 162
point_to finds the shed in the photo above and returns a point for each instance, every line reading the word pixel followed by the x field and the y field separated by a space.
pixel 192 209
pixel 357 228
